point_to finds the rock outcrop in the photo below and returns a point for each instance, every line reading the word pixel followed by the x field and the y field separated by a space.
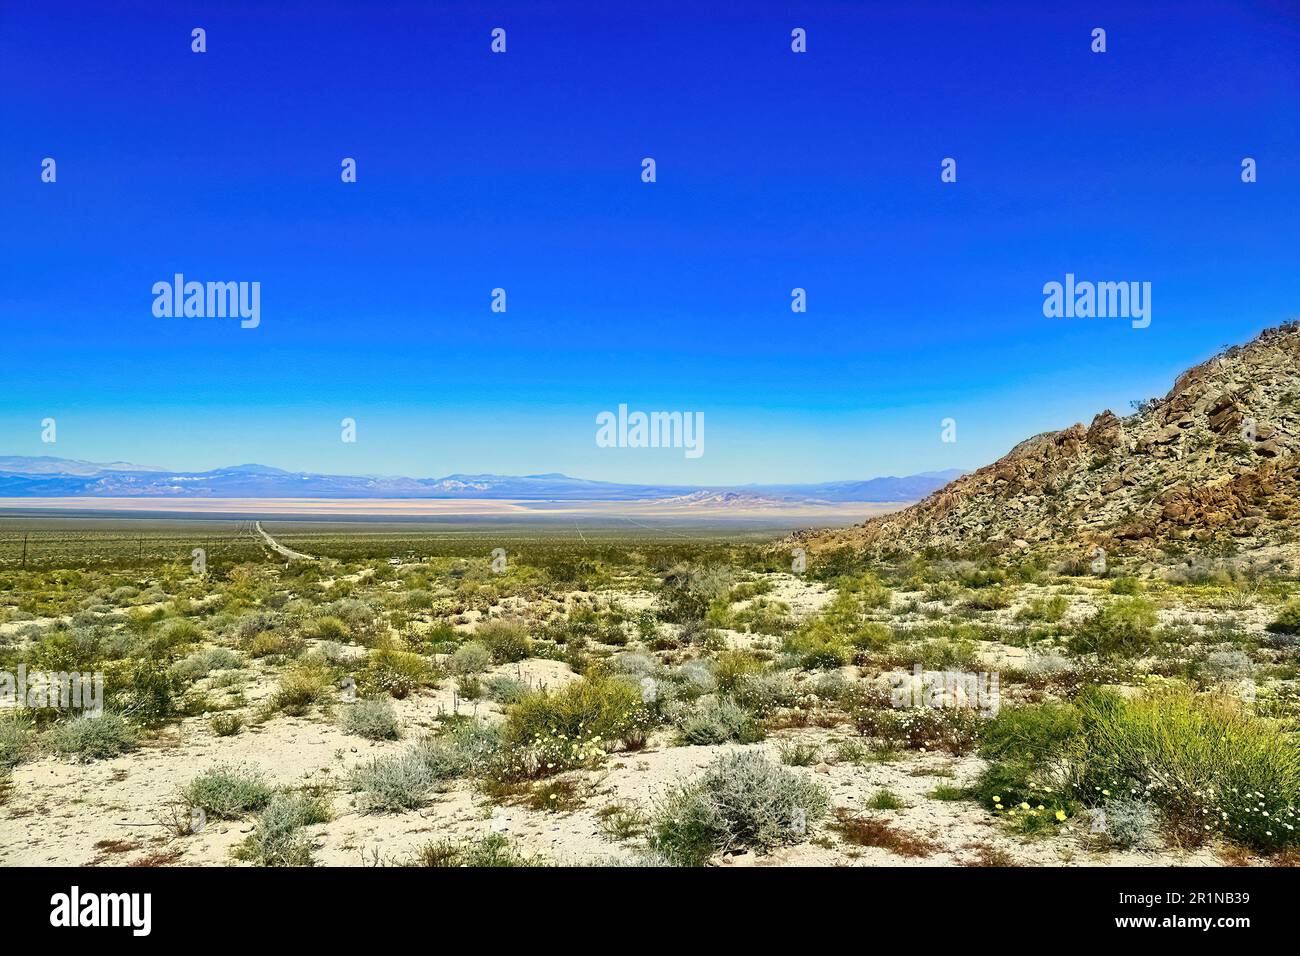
pixel 1217 458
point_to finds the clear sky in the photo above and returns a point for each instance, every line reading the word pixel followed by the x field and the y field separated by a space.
pixel 522 170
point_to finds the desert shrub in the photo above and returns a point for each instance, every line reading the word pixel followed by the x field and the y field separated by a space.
pixel 762 693
pixel 1125 627
pixel 1205 762
pixel 1049 610
pixel 469 748
pixel 885 800
pixel 988 599
pixel 144 689
pixel 396 672
pixel 227 792
pixel 325 628
pixel 730 666
pixel 226 725
pixel 1128 822
pixel 273 644
pixel 176 632
pixel 418 599
pixel 593 712
pixel 954 730
pixel 470 658
pixel 687 592
pixel 1228 664
pixel 89 737
pixel 796 754
pixel 250 625
pixel 15 741
pixel 1126 586
pixel 1287 622
pixel 506 641
pixel 362 620
pixel 832 686
pixel 717 722
pixel 505 689
pixel 391 784
pixel 278 839
pixel 741 799
pixel 201 663
pixel 815 646
pixel 1038 732
pixel 371 719
pixel 493 850
pixel 302 686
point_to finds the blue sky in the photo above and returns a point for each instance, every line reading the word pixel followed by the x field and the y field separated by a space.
pixel 522 171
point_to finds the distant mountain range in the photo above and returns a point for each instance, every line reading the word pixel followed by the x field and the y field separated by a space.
pixel 45 477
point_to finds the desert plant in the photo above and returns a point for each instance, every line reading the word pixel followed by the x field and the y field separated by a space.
pixel 226 725
pixel 741 799
pixel 371 719
pixel 1124 627
pixel 278 839
pixel 302 686
pixel 88 737
pixel 717 722
pixel 470 658
pixel 506 641
pixel 226 792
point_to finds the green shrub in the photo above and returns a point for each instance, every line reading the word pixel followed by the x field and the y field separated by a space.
pixel 599 710
pixel 493 850
pixel 1125 627
pixel 1288 622
pixel 717 722
pixel 15 741
pixel 740 800
pixel 226 792
pixel 469 748
pixel 1205 762
pixel 1126 586
pixel 392 784
pixel 506 641
pixel 92 738
pixel 278 839
pixel 470 658
pixel 302 686
pixel 1038 732
pixel 371 719
pixel 201 663
pixel 1050 610
pixel 396 672
pixel 326 628
pixel 226 725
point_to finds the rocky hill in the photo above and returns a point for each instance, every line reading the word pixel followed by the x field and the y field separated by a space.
pixel 1213 460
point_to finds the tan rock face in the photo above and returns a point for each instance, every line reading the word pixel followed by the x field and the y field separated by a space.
pixel 1219 456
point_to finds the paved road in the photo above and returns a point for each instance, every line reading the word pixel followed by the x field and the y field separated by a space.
pixel 279 548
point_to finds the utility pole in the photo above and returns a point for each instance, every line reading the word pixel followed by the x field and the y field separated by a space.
pixel 25 550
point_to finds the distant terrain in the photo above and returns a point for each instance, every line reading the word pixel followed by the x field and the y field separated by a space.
pixel 45 477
